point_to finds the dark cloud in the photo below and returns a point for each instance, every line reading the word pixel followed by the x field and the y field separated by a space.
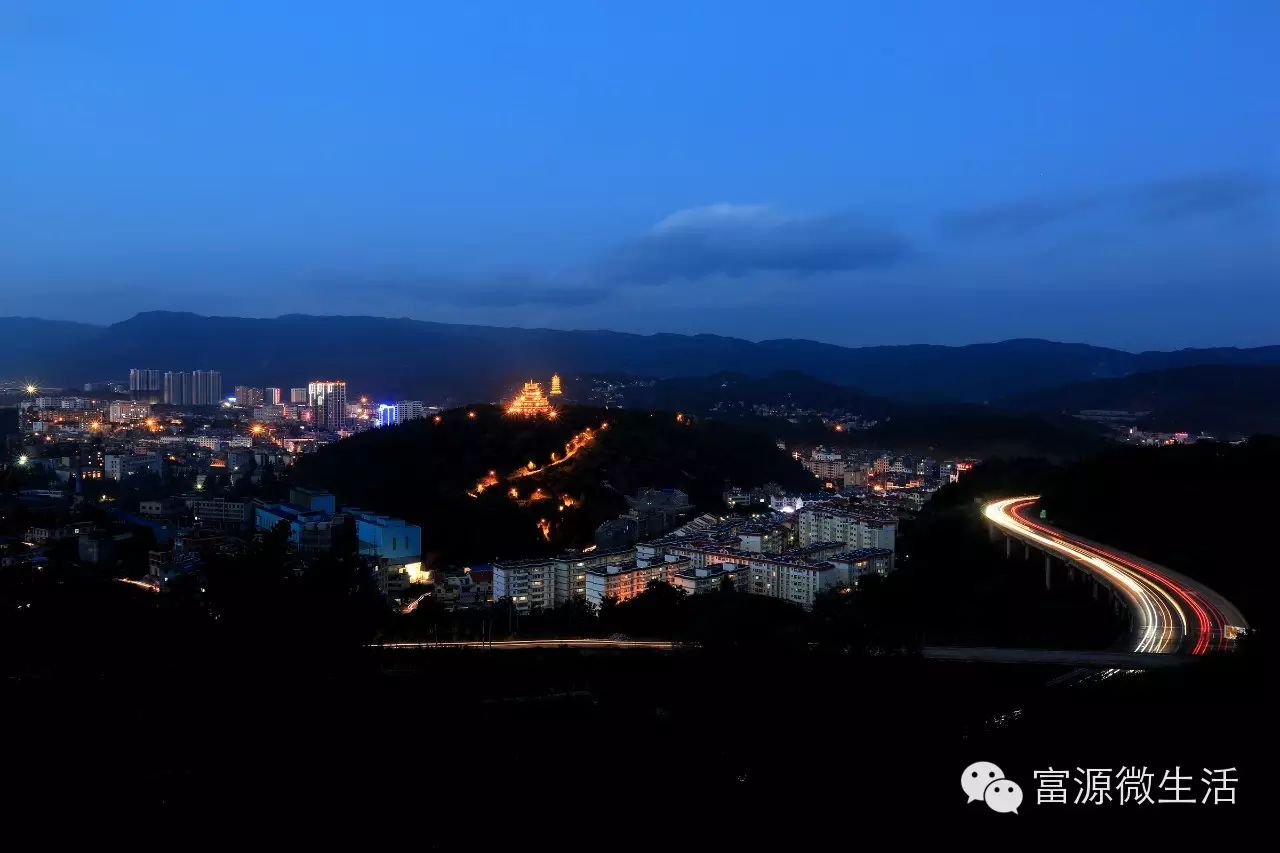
pixel 735 240
pixel 1200 194
pixel 1013 219
pixel 1167 200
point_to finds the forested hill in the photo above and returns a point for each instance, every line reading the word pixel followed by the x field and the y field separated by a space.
pixel 428 473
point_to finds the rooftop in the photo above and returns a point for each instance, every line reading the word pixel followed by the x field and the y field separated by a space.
pixel 522 564
pixel 862 515
pixel 860 554
pixel 294 513
pixel 632 566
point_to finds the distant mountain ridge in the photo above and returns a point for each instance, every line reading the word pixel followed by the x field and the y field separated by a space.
pixel 428 360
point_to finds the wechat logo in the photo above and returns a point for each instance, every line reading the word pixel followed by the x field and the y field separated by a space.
pixel 983 781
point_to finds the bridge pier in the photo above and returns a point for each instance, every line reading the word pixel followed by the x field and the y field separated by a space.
pixel 1008 546
pixel 1046 571
pixel 1026 551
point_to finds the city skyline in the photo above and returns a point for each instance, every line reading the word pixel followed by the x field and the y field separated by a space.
pixel 915 174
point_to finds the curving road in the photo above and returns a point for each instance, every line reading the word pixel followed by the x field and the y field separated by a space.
pixel 1173 614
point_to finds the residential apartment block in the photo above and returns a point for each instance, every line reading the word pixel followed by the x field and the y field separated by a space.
pixel 834 522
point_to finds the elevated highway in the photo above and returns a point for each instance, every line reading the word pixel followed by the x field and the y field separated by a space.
pixel 1171 613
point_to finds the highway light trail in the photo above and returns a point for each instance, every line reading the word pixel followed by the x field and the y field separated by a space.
pixel 1160 583
pixel 149 586
pixel 1172 613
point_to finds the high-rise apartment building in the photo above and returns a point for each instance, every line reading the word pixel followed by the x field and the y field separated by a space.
pixel 178 389
pixel 145 379
pixel 146 384
pixel 207 387
pixel 297 395
pixel 247 396
pixel 408 410
pixel 271 396
pixel 328 401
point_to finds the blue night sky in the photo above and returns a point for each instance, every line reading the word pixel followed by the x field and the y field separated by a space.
pixel 853 172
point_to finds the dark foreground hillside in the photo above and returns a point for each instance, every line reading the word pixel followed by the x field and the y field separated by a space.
pixel 421 733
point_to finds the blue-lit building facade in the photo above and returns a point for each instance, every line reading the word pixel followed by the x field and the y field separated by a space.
pixel 310 514
pixel 395 544
pixel 310 530
pixel 391 544
pixel 390 414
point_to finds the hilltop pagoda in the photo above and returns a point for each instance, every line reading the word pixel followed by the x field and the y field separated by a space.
pixel 531 402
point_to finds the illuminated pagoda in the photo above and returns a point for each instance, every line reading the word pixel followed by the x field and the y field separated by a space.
pixel 531 402
pixel 555 385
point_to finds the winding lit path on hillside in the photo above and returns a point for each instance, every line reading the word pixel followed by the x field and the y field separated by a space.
pixel 572 448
